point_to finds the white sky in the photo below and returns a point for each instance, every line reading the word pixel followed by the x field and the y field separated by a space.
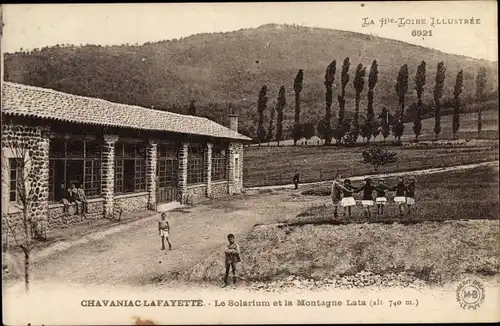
pixel 30 26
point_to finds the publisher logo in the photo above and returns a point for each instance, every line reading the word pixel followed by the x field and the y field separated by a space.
pixel 470 294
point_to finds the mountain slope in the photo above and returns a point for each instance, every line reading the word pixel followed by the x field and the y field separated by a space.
pixel 222 69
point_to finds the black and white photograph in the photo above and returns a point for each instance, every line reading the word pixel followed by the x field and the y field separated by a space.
pixel 250 163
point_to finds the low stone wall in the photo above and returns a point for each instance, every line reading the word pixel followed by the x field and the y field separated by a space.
pixel 196 193
pixel 219 189
pixel 133 202
pixel 58 219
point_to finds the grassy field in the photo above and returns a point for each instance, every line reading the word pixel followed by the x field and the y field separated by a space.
pixel 272 165
pixel 432 251
pixel 276 165
pixel 440 196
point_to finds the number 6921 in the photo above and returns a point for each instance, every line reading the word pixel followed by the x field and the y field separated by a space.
pixel 420 32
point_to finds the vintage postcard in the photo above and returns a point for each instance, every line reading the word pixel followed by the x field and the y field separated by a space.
pixel 246 163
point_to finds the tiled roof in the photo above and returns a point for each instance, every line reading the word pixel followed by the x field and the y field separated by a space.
pixel 30 101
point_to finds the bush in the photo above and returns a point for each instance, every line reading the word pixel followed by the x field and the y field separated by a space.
pixel 378 156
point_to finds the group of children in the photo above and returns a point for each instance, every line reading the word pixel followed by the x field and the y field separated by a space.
pixel 75 194
pixel 342 195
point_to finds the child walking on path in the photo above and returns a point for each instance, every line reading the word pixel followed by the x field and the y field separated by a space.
pixel 381 196
pixel 347 199
pixel 400 198
pixel 164 231
pixel 410 194
pixel 232 257
pixel 367 200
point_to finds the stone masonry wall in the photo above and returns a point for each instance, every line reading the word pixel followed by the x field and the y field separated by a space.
pixel 151 163
pixel 132 202
pixel 207 174
pixel 235 186
pixel 108 174
pixel 219 189
pixel 182 171
pixel 32 142
pixel 58 219
pixel 196 194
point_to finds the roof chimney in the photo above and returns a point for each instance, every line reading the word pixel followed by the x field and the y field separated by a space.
pixel 233 122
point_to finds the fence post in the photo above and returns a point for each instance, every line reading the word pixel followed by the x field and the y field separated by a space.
pixel 265 179
pixel 462 160
pixel 320 174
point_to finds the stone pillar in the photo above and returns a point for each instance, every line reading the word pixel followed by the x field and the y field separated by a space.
pixel 235 185
pixel 182 172
pixel 230 169
pixel 208 169
pixel 39 160
pixel 108 174
pixel 151 162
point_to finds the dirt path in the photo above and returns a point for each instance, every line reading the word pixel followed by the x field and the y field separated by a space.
pixel 382 175
pixel 130 254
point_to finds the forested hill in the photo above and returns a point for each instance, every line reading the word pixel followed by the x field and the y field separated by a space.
pixel 223 69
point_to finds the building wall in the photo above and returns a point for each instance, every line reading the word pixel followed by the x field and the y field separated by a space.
pixel 32 143
pixel 58 219
pixel 196 194
pixel 219 189
pixel 133 202
pixel 235 185
pixel 35 138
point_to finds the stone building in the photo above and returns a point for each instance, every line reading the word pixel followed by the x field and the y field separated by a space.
pixel 127 158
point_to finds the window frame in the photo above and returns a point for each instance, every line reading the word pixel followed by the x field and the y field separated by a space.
pixel 219 171
pixel 236 167
pixel 196 164
pixel 94 171
pixel 139 170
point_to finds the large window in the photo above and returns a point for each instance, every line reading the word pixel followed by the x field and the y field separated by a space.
pixel 195 164
pixel 219 162
pixel 74 162
pixel 168 165
pixel 130 167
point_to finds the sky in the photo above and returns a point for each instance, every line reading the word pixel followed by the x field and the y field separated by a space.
pixel 37 25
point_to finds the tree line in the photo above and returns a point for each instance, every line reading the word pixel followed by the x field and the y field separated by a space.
pixel 348 130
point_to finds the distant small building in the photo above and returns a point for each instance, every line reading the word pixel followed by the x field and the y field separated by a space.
pixel 127 158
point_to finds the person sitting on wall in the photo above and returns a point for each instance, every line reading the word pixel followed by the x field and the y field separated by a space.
pixel 62 196
pixel 81 198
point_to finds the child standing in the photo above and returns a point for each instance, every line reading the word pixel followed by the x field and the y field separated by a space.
pixel 232 257
pixel 410 194
pixel 164 231
pixel 367 200
pixel 347 199
pixel 336 193
pixel 381 196
pixel 400 198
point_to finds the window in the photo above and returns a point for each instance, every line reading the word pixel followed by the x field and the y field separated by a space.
pixel 219 162
pixel 74 161
pixel 236 167
pixel 15 179
pixel 168 165
pixel 195 164
pixel 130 167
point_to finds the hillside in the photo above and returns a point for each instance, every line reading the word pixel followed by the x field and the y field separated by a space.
pixel 227 69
